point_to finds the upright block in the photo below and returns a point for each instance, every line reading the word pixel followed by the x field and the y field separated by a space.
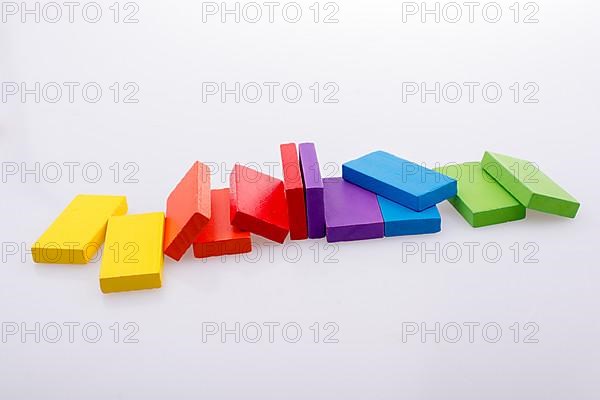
pixel 188 210
pixel 313 184
pixel 400 220
pixel 351 213
pixel 257 203
pixel 133 254
pixel 219 237
pixel 294 191
pixel 480 199
pixel 530 186
pixel 399 180
pixel 78 232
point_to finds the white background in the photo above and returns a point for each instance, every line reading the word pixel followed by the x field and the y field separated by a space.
pixel 365 288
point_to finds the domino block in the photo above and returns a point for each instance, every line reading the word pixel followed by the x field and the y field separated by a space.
pixel 399 180
pixel 399 220
pixel 530 186
pixel 351 213
pixel 133 256
pixel 78 232
pixel 188 210
pixel 257 203
pixel 294 191
pixel 219 237
pixel 480 199
pixel 313 185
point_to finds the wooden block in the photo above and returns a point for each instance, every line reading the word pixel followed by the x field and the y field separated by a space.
pixel 313 185
pixel 219 237
pixel 400 220
pixel 399 180
pixel 480 199
pixel 257 203
pixel 294 191
pixel 133 254
pixel 530 186
pixel 351 213
pixel 188 210
pixel 78 232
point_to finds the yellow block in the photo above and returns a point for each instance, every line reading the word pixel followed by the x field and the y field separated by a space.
pixel 78 232
pixel 133 253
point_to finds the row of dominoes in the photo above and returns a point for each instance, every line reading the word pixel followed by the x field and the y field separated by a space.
pixel 378 195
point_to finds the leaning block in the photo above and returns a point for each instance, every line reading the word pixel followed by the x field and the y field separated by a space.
pixel 257 203
pixel 399 180
pixel 294 191
pixel 480 199
pixel 188 210
pixel 313 184
pixel 133 254
pixel 529 185
pixel 351 213
pixel 219 237
pixel 78 232
pixel 400 220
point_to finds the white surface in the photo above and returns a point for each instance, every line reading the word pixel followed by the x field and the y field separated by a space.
pixel 369 292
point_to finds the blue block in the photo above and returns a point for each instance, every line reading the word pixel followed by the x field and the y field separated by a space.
pixel 399 180
pixel 399 220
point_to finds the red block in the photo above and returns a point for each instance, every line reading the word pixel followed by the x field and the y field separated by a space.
pixel 188 210
pixel 219 237
pixel 257 203
pixel 294 191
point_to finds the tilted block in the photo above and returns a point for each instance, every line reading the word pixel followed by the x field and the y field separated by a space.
pixel 257 203
pixel 530 186
pixel 294 191
pixel 400 220
pixel 188 210
pixel 351 213
pixel 313 185
pixel 219 237
pixel 480 199
pixel 399 180
pixel 78 232
pixel 133 254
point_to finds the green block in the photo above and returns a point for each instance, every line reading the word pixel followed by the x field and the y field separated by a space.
pixel 480 199
pixel 529 185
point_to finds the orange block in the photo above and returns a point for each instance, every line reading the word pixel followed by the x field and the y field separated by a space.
pixel 257 203
pixel 219 237
pixel 294 191
pixel 188 210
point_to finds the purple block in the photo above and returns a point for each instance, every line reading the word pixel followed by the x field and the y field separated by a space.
pixel 313 186
pixel 351 213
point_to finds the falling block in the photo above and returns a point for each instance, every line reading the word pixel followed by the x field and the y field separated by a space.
pixel 78 232
pixel 530 186
pixel 188 210
pixel 313 185
pixel 257 203
pixel 399 180
pixel 399 220
pixel 219 237
pixel 351 213
pixel 294 191
pixel 480 199
pixel 133 254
